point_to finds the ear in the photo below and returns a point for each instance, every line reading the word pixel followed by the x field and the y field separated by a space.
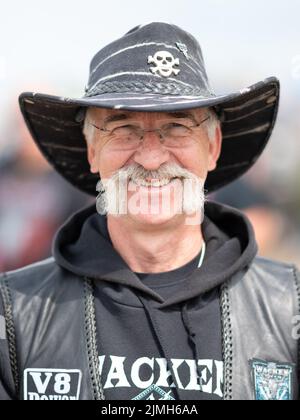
pixel 91 155
pixel 215 147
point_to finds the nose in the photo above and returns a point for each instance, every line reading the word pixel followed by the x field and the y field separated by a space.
pixel 151 154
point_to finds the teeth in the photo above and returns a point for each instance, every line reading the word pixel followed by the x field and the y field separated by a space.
pixel 154 183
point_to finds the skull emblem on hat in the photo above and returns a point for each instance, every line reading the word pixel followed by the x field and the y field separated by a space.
pixel 164 63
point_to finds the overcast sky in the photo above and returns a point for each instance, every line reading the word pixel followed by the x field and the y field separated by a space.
pixel 47 45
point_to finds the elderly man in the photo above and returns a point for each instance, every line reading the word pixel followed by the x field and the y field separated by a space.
pixel 157 293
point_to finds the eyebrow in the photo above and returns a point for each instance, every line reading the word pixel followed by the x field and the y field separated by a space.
pixel 117 117
pixel 182 115
pixel 177 115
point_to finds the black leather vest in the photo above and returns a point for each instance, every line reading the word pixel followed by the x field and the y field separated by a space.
pixel 51 328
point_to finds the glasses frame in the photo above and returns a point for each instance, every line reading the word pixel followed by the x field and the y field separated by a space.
pixel 143 131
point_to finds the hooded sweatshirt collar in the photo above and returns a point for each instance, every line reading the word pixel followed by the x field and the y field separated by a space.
pixel 83 247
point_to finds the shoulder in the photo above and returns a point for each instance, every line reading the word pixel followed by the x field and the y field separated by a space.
pixel 274 268
pixel 274 278
pixel 268 278
pixel 32 276
pixel 268 284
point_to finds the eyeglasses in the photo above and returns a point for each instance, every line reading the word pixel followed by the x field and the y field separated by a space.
pixel 129 136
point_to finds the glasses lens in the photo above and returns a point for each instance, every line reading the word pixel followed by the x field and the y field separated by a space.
pixel 176 135
pixel 126 137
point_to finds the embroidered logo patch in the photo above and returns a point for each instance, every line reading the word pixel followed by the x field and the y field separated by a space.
pixel 164 63
pixel 51 384
pixel 272 381
pixel 154 392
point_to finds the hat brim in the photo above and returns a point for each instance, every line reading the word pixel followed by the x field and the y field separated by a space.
pixel 248 117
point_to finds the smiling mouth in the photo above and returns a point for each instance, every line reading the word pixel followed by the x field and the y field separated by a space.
pixel 153 182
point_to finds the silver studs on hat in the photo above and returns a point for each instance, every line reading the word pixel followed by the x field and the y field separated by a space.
pixel 164 63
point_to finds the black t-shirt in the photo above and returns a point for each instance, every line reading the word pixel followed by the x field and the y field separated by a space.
pixel 171 282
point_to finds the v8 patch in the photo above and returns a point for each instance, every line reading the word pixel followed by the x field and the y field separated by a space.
pixel 51 384
pixel 272 380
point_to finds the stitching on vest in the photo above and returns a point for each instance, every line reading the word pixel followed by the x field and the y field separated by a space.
pixel 297 283
pixel 10 330
pixel 227 342
pixel 91 339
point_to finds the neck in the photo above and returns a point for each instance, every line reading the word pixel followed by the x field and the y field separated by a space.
pixel 154 249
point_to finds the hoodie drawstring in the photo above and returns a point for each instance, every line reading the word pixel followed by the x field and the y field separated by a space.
pixel 191 335
pixel 161 342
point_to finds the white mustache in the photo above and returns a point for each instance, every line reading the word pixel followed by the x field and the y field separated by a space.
pixel 193 196
pixel 136 172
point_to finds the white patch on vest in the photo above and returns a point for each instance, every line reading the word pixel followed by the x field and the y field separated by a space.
pixel 52 384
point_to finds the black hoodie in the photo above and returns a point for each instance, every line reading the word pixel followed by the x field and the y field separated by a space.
pixel 159 335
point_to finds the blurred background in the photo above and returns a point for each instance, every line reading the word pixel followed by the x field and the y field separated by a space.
pixel 47 46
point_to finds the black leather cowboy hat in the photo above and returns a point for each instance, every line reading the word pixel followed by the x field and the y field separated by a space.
pixel 155 67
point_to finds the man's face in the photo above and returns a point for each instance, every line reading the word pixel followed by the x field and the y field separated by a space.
pixel 197 154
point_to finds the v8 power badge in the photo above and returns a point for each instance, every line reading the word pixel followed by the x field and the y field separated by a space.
pixel 51 384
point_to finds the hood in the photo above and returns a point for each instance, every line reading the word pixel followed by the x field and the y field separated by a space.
pixel 83 247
